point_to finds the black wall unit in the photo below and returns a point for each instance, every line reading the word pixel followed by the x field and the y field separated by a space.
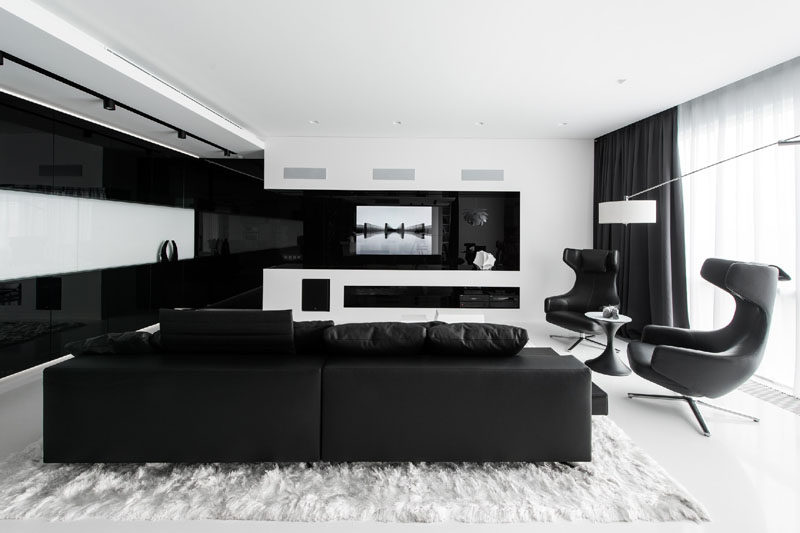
pixel 45 151
pixel 325 228
pixel 431 297
pixel 240 229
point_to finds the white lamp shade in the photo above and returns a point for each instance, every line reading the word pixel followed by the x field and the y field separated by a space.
pixel 627 212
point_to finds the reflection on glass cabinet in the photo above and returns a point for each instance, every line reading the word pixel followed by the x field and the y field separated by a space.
pixel 84 211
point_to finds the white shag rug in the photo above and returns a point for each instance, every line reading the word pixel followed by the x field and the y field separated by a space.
pixel 622 483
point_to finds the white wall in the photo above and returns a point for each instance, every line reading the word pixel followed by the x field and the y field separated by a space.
pixel 554 178
pixel 43 234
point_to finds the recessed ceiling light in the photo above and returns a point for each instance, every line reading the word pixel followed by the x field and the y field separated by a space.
pixel 397 123
pixel 480 123
pixel 562 124
pixel 621 81
pixel 314 122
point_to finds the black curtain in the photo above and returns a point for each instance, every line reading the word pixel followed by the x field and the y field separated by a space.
pixel 652 274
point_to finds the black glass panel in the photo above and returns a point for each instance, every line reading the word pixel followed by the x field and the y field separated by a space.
pixel 49 152
pixel 167 179
pixel 126 298
pixel 398 229
pixel 24 328
pixel 26 149
pixel 92 163
pixel 432 297
pixel 167 285
pixel 79 313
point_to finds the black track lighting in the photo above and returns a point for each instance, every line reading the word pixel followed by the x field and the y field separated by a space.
pixel 108 103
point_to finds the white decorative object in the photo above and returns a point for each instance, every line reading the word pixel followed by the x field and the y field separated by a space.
pixel 484 260
pixel 627 212
pixel 611 311
pixel 621 484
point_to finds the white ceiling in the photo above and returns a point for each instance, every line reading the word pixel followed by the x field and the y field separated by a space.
pixel 439 66
pixel 36 35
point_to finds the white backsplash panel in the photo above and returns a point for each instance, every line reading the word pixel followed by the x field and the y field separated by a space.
pixel 42 234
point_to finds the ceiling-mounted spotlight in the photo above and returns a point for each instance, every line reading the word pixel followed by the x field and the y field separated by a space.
pixel 109 104
pixel 181 134
pixel 226 152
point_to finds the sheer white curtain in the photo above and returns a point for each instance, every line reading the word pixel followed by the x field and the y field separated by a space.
pixel 745 209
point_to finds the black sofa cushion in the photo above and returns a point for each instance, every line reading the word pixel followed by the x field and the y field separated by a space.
pixel 127 342
pixel 376 338
pixel 225 331
pixel 308 336
pixel 477 339
pixel 183 408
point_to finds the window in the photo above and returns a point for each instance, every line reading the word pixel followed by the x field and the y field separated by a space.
pixel 745 209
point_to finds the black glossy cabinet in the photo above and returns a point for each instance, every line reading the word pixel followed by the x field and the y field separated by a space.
pixel 44 151
pixel 440 297
pixel 26 150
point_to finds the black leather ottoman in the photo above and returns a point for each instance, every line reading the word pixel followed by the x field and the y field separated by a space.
pixel 182 408
pixel 599 401
pixel 532 407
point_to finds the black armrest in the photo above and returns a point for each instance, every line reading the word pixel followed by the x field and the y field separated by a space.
pixel 684 338
pixel 556 303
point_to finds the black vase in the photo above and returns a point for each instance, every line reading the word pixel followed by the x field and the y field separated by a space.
pixel 162 252
pixel 173 251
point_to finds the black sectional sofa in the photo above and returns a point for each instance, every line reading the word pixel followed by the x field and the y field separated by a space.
pixel 246 386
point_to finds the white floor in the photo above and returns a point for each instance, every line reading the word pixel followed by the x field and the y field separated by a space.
pixel 747 474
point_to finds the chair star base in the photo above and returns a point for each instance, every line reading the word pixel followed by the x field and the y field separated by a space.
pixel 579 339
pixel 693 405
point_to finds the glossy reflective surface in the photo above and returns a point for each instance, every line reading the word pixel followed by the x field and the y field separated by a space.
pixel 461 223
pixel 431 297
pixel 83 210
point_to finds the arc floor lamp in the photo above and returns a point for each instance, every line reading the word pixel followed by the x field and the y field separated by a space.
pixel 629 211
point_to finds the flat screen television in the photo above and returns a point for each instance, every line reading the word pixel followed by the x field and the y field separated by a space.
pixel 395 230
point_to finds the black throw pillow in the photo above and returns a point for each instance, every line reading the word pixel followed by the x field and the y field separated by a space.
pixel 227 331
pixel 308 336
pixel 476 339
pixel 375 338
pixel 127 342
